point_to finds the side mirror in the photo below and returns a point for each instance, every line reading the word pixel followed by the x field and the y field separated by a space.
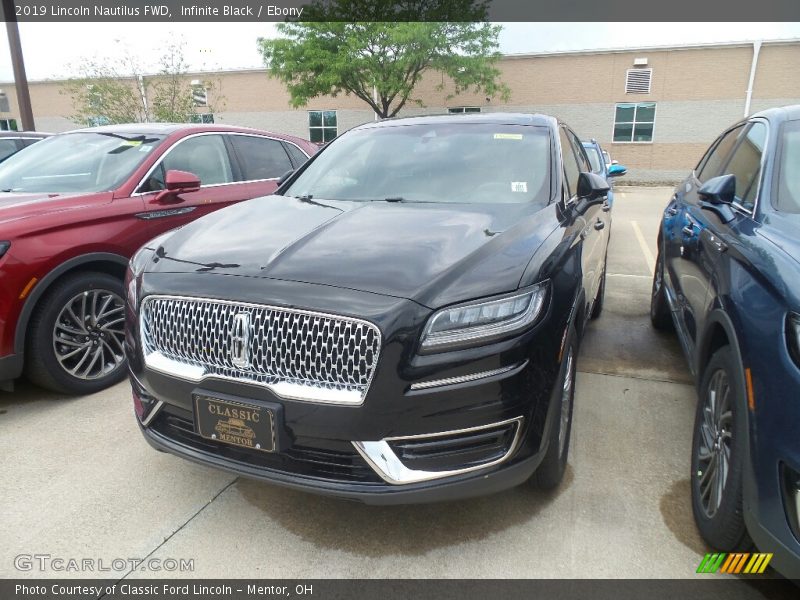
pixel 616 170
pixel 717 194
pixel 285 176
pixel 719 190
pixel 182 181
pixel 177 182
pixel 592 188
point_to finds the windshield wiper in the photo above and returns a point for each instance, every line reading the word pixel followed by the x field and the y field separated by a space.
pixel 135 138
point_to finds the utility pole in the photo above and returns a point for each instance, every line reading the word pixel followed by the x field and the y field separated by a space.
pixel 20 79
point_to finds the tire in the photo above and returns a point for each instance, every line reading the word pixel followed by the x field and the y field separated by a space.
pixel 70 351
pixel 597 305
pixel 660 315
pixel 719 453
pixel 551 470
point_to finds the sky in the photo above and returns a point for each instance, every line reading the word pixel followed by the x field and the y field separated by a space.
pixel 52 50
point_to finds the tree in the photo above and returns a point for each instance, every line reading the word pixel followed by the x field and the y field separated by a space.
pixel 381 62
pixel 107 92
pixel 112 91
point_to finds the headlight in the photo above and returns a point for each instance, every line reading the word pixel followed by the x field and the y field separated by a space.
pixel 484 321
pixel 4 246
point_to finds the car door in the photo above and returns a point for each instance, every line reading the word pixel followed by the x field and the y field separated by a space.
pixel 207 156
pixel 717 244
pixel 262 161
pixel 597 220
pixel 683 225
pixel 585 220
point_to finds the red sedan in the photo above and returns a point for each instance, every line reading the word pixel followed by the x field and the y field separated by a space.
pixel 76 206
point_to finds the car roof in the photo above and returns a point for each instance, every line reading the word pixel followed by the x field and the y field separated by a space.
pixel 24 134
pixel 498 118
pixel 783 113
pixel 171 128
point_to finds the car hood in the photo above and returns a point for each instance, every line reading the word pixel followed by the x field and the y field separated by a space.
pixel 15 206
pixel 782 230
pixel 431 253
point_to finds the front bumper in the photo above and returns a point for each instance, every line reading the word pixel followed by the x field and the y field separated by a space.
pixel 478 483
pixel 772 478
pixel 343 449
pixel 327 454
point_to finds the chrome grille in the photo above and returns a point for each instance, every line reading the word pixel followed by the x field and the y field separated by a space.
pixel 299 354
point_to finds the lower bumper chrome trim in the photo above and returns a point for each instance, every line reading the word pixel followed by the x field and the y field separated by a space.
pixel 158 405
pixel 380 456
pixel 284 389
pixel 424 385
pixel 152 414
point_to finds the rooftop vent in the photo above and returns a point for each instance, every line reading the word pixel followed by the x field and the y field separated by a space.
pixel 637 81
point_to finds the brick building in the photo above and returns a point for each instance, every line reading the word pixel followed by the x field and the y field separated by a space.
pixel 655 109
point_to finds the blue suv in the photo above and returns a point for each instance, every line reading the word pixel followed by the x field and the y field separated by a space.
pixel 597 158
pixel 727 279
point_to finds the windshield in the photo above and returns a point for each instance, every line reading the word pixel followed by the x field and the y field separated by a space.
pixel 76 162
pixel 594 158
pixel 788 197
pixel 437 162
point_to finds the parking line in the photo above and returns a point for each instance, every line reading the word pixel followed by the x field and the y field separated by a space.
pixel 648 277
pixel 648 256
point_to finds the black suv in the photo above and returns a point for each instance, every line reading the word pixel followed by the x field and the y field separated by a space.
pixel 399 324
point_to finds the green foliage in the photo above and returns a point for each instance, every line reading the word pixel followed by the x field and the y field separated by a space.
pixel 388 59
pixel 105 91
pixel 117 91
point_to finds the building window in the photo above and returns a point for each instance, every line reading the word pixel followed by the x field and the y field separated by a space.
pixel 637 81
pixel 199 94
pixel 464 109
pixel 8 125
pixel 634 122
pixel 322 126
pixel 203 118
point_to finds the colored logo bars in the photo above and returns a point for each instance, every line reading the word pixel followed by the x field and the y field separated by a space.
pixel 741 562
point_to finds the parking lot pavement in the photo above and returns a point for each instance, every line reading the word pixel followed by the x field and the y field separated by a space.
pixel 78 480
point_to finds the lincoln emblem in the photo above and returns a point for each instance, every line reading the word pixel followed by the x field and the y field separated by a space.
pixel 240 340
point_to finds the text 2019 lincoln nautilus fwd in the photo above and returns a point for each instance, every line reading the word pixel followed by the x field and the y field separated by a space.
pixel 399 323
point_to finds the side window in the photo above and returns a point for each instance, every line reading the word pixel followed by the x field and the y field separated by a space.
pixel 261 158
pixel 203 155
pixel 717 156
pixel 297 156
pixel 571 167
pixel 787 198
pixel 7 148
pixel 580 153
pixel 745 164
